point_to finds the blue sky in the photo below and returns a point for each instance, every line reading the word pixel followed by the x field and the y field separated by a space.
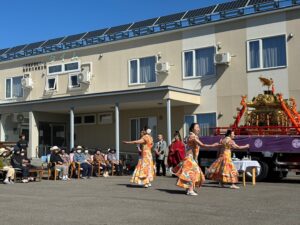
pixel 26 21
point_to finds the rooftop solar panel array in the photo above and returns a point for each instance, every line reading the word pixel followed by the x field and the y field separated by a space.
pixel 95 33
pixel 170 18
pixel 75 37
pixel 2 51
pixel 117 29
pixel 15 49
pixel 144 23
pixel 51 42
pixel 33 45
pixel 231 5
pixel 200 12
pixel 255 2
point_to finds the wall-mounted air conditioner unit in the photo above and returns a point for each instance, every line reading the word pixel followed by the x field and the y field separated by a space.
pixel 222 58
pixel 18 118
pixel 27 82
pixel 162 67
pixel 85 75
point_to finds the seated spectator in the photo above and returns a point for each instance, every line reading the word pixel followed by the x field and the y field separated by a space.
pixel 114 162
pixel 86 166
pixel 65 157
pixel 20 162
pixel 58 163
pixel 73 151
pixel 5 165
pixel 99 160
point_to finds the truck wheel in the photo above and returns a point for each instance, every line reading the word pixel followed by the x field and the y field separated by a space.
pixel 262 174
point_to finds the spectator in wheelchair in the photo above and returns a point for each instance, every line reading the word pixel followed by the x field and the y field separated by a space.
pixel 99 161
pixel 84 162
pixel 58 163
pixel 5 165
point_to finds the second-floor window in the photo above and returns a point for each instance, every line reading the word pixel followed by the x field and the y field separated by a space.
pixel 73 81
pixel 51 83
pixel 266 53
pixel 199 62
pixel 13 87
pixel 142 70
pixel 63 68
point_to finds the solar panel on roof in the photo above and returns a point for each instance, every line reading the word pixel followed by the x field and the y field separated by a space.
pixel 2 51
pixel 15 49
pixel 144 23
pixel 255 2
pixel 33 45
pixel 231 5
pixel 95 33
pixel 51 42
pixel 75 37
pixel 200 12
pixel 117 29
pixel 170 18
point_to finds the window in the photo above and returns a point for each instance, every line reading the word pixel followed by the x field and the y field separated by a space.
pixel 105 118
pixel 74 66
pixel 142 70
pixel 55 69
pixel 51 84
pixel 207 121
pixel 14 87
pixel 89 119
pixel 63 68
pixel 77 120
pixel 188 120
pixel 73 81
pixel 267 53
pixel 199 62
pixel 137 124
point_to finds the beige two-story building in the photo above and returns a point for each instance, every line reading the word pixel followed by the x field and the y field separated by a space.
pixel 101 87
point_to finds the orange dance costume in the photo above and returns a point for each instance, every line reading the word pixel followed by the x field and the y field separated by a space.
pixel 144 170
pixel 188 172
pixel 222 169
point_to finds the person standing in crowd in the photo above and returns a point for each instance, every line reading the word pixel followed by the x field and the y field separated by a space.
pixel 80 158
pixel 223 170
pixel 188 171
pixel 160 152
pixel 22 143
pixel 19 161
pixel 176 151
pixel 58 163
pixel 5 165
pixel 144 171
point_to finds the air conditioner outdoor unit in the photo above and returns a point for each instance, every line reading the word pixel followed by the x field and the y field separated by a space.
pixel 84 77
pixel 162 67
pixel 18 117
pixel 222 58
pixel 27 82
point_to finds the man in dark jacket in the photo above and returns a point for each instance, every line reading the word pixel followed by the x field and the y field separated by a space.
pixel 20 162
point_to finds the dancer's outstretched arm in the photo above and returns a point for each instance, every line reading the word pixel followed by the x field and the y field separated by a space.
pixel 140 141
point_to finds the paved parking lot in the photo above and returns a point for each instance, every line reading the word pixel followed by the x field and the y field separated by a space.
pixel 113 201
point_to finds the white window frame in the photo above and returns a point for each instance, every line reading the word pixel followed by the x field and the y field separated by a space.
pixel 55 73
pixel 261 62
pixel 138 71
pixel 63 68
pixel 47 84
pixel 194 75
pixel 70 82
pixel 105 113
pixel 70 71
pixel 11 88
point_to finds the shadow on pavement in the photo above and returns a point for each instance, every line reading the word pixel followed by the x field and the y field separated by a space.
pixel 131 185
pixel 172 191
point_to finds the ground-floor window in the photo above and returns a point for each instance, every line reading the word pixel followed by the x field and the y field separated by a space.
pixel 207 121
pixel 137 124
